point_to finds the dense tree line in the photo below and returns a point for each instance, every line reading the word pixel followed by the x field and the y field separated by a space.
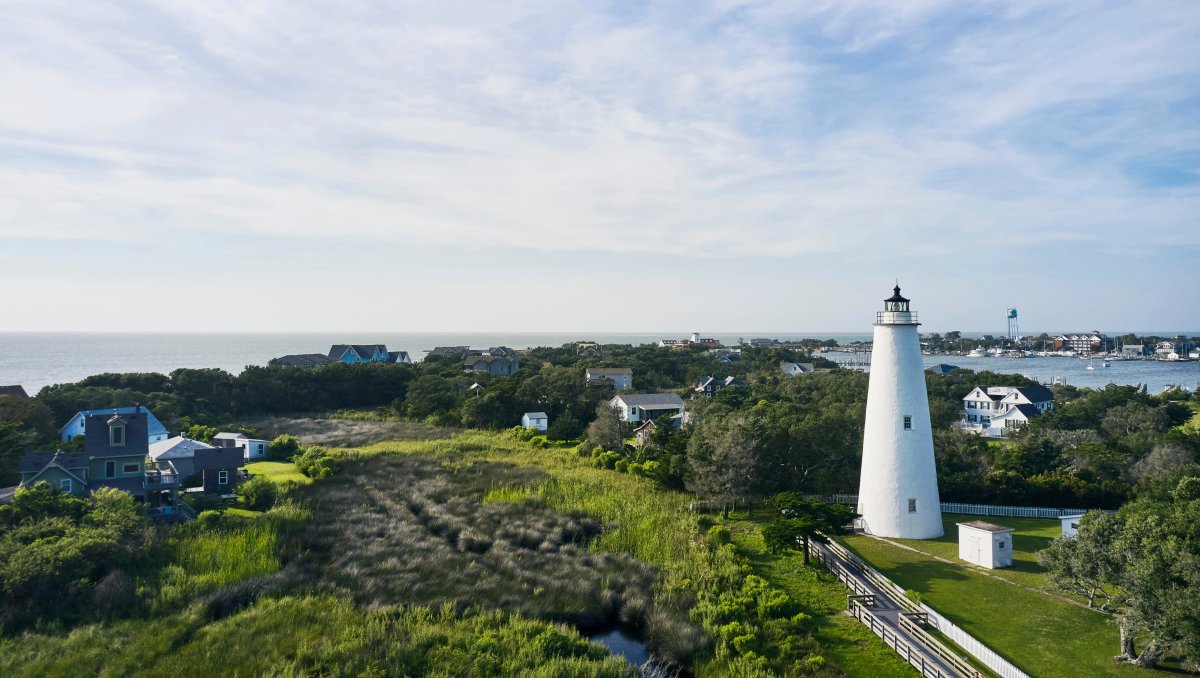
pixel 776 434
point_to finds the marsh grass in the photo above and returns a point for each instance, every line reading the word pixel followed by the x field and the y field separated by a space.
pixel 341 431
pixel 315 636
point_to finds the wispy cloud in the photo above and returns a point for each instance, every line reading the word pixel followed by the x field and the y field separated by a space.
pixel 700 129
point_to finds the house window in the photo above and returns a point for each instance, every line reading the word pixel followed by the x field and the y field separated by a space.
pixel 907 422
pixel 970 417
pixel 130 468
pixel 912 505
pixel 222 477
pixel 999 544
pixel 970 405
pixel 110 469
pixel 65 483
pixel 116 436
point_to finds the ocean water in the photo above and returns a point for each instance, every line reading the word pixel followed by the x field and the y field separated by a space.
pixel 1156 375
pixel 35 360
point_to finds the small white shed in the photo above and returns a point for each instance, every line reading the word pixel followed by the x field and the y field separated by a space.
pixel 537 420
pixel 985 544
pixel 1070 525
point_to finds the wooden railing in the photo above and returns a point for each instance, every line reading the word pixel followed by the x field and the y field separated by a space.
pixel 911 654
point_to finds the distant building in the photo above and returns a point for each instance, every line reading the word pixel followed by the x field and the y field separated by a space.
pixel 694 339
pixel 180 452
pixel 710 386
pixel 639 407
pixel 796 369
pixel 620 378
pixel 727 355
pixel 644 434
pixel 399 357
pixel 1091 342
pixel 252 448
pixel 495 365
pixel 77 425
pixel 115 453
pixel 994 411
pixel 985 544
pixel 304 360
pixel 15 392
pixel 1134 351
pixel 1070 525
pixel 535 420
pixel 359 353
pixel 941 368
pixel 588 348
pixel 457 352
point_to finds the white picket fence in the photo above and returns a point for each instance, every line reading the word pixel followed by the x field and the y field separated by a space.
pixel 976 649
pixel 975 509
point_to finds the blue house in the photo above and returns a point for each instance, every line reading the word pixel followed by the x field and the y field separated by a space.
pixel 360 353
pixel 75 426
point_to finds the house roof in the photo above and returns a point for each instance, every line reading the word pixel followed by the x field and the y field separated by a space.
pixel 603 371
pixel 32 462
pixel 941 368
pixel 226 435
pixel 649 423
pixel 439 351
pixel 305 359
pixel 16 391
pixel 363 351
pixel 154 426
pixel 734 381
pixel 986 527
pixel 706 381
pixel 1030 411
pixel 176 448
pixel 536 415
pixel 136 443
pixel 651 400
pixel 397 356
pixel 1036 393
pixel 218 458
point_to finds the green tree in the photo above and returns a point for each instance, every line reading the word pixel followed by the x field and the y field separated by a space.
pixel 796 520
pixel 608 430
pixel 722 464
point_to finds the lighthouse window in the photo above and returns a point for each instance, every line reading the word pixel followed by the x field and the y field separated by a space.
pixel 912 505
pixel 907 422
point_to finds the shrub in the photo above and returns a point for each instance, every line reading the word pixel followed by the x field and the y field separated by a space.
pixel 719 534
pixel 284 447
pixel 259 493
pixel 622 466
pixel 315 462
pixel 583 449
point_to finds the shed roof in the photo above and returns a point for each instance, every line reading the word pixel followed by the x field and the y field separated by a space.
pixel 536 415
pixel 610 370
pixel 986 527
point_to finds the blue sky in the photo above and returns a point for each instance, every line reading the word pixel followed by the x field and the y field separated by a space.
pixel 721 166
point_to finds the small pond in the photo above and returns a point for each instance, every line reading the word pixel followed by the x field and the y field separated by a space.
pixel 621 644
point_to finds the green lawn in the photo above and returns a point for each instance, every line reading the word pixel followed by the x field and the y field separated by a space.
pixel 1030 536
pixel 278 471
pixel 852 647
pixel 1043 635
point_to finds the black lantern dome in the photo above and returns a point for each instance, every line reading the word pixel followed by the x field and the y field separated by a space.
pixel 896 303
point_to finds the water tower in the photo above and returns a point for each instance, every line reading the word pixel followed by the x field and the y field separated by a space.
pixel 1012 324
pixel 898 492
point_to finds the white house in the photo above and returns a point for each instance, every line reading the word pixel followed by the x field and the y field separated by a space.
pixel 795 369
pixel 537 420
pixel 75 425
pixel 639 407
pixel 252 448
pixel 1070 525
pixel 993 411
pixel 985 544
pixel 621 377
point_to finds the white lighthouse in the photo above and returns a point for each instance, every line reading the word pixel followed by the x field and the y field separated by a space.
pixel 898 492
